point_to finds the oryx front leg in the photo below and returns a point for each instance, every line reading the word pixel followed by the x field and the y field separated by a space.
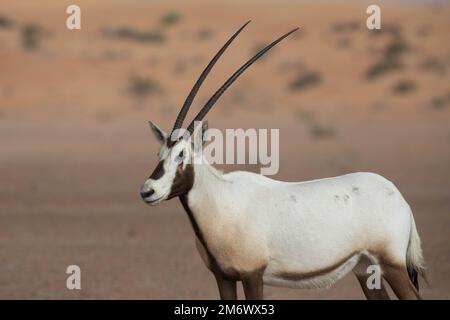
pixel 227 288
pixel 253 285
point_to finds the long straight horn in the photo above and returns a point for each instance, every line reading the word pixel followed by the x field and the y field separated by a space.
pixel 231 79
pixel 194 90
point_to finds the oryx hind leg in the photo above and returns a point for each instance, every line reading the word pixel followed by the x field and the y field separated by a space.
pixel 362 273
pixel 398 279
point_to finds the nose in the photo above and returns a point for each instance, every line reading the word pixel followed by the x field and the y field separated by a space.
pixel 147 194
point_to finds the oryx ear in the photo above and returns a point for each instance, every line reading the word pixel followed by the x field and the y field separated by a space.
pixel 200 135
pixel 160 135
pixel 204 131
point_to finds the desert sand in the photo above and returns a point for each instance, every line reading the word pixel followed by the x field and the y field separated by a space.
pixel 75 146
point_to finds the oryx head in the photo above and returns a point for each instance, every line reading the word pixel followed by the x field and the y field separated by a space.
pixel 174 174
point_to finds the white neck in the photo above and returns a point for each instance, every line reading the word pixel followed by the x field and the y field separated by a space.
pixel 202 198
pixel 206 181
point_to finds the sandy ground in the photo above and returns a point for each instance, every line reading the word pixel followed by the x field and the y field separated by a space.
pixel 75 146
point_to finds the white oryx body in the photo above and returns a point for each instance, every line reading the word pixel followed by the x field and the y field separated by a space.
pixel 257 230
pixel 295 229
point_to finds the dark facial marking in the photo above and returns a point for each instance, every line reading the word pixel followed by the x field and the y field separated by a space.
pixel 158 172
pixel 183 182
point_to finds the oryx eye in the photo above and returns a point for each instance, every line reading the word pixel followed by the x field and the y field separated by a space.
pixel 180 156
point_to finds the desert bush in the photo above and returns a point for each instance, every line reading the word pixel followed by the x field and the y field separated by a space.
pixel 396 48
pixel 141 87
pixel 381 67
pixel 148 36
pixel 320 131
pixel 440 101
pixel 390 60
pixel 386 29
pixel 424 30
pixel 305 80
pixel 404 87
pixel 204 34
pixel 344 43
pixel 434 65
pixel 316 129
pixel 239 97
pixel 305 116
pixel 31 36
pixel 180 67
pixel 348 26
pixel 5 22
pixel 170 18
pixel 104 116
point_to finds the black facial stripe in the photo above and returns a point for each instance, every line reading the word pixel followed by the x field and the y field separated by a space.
pixel 183 181
pixel 158 172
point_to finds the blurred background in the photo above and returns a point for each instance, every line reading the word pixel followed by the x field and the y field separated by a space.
pixel 75 146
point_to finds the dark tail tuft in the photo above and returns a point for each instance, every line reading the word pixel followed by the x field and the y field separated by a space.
pixel 414 276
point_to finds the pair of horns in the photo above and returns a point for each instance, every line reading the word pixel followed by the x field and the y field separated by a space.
pixel 190 98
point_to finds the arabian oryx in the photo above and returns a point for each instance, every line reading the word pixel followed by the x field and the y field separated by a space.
pixel 309 234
